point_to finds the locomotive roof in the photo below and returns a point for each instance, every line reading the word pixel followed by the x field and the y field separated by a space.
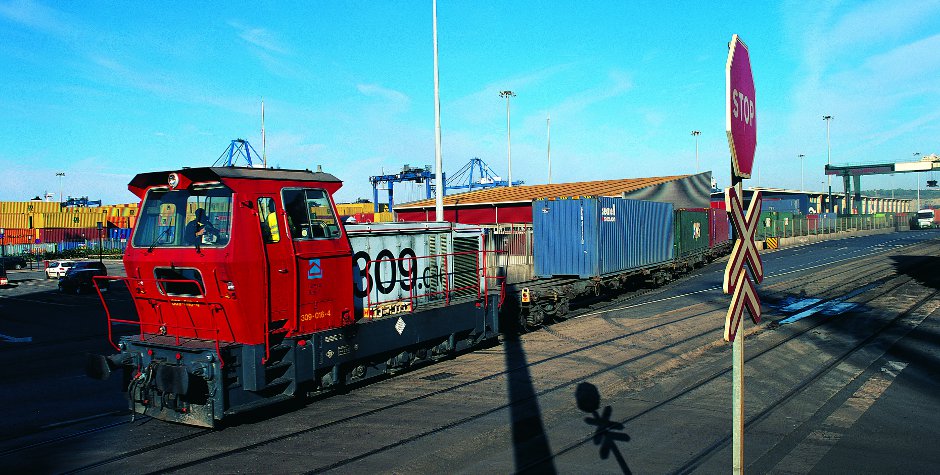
pixel 144 180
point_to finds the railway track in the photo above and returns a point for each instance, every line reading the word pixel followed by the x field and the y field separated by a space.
pixel 634 328
pixel 764 351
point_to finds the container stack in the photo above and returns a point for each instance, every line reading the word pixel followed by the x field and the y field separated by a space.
pixel 42 226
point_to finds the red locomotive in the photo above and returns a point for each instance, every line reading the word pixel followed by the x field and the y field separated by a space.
pixel 248 290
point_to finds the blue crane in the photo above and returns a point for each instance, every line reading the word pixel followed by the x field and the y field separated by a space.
pixel 239 148
pixel 466 179
pixel 407 173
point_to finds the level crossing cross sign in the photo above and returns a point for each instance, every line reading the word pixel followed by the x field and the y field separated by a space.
pixel 744 256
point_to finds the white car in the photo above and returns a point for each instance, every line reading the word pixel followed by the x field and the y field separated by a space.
pixel 57 269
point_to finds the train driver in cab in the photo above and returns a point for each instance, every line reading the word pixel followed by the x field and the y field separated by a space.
pixel 199 229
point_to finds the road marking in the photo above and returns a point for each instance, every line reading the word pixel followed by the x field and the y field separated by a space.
pixel 800 305
pixel 13 339
pixel 831 308
pixel 804 457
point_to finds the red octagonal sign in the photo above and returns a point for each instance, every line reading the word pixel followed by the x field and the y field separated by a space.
pixel 741 123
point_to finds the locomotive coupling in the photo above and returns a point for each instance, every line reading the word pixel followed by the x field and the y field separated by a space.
pixel 100 366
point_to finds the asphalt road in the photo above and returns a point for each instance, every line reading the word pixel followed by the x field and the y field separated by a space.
pixel 637 385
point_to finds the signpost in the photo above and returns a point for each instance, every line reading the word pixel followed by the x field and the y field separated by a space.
pixel 741 127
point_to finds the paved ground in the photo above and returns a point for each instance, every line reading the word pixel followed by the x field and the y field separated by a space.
pixel 630 386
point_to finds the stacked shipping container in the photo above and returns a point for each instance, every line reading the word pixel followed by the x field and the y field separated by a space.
pixel 32 222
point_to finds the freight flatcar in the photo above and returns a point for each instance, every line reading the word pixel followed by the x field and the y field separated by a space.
pixel 588 246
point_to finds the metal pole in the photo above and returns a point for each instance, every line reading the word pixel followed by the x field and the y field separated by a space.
pixel 264 150
pixel 548 121
pixel 737 374
pixel 438 161
pixel 60 175
pixel 100 259
pixel 828 118
pixel 507 95
pixel 801 172
pixel 696 133
pixel 917 177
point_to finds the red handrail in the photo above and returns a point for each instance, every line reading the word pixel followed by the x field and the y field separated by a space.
pixel 138 290
pixel 413 295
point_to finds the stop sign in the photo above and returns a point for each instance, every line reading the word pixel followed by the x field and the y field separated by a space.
pixel 741 123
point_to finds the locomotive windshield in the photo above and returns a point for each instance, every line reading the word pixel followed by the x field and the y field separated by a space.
pixel 200 216
pixel 310 214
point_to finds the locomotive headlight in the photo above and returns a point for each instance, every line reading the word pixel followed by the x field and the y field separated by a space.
pixel 173 180
pixel 230 286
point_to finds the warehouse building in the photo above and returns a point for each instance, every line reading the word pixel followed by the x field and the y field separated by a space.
pixel 513 205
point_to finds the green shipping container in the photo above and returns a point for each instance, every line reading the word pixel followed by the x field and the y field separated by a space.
pixel 691 232
pixel 767 227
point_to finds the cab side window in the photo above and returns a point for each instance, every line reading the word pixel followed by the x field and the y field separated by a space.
pixel 310 214
pixel 266 213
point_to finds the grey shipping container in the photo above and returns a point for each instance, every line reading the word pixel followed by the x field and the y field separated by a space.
pixel 590 237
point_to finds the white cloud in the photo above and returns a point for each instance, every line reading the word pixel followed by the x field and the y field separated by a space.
pixel 38 17
pixel 393 96
pixel 260 38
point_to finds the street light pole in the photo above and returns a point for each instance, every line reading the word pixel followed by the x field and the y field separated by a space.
pixel 438 159
pixel 828 118
pixel 100 259
pixel 802 188
pixel 548 121
pixel 60 175
pixel 696 133
pixel 917 175
pixel 507 95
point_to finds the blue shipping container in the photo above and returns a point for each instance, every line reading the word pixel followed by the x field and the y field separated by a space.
pixel 784 205
pixel 591 237
pixel 119 233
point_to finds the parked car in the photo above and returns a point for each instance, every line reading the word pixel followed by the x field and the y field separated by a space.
pixel 57 269
pixel 3 277
pixel 80 277
pixel 14 262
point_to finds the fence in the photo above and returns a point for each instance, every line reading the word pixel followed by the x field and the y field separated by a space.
pixel 510 247
pixel 785 225
pixel 77 248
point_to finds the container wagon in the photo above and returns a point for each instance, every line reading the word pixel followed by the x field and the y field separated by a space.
pixel 589 246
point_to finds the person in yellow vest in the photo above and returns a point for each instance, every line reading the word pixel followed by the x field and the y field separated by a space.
pixel 272 227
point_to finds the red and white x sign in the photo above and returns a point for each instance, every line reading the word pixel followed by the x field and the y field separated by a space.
pixel 745 296
pixel 745 249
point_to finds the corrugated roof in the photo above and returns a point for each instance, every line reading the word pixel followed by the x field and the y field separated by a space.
pixel 527 193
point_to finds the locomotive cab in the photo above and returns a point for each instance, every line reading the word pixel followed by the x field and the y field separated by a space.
pixel 236 244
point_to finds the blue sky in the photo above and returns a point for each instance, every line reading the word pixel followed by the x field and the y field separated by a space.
pixel 104 90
